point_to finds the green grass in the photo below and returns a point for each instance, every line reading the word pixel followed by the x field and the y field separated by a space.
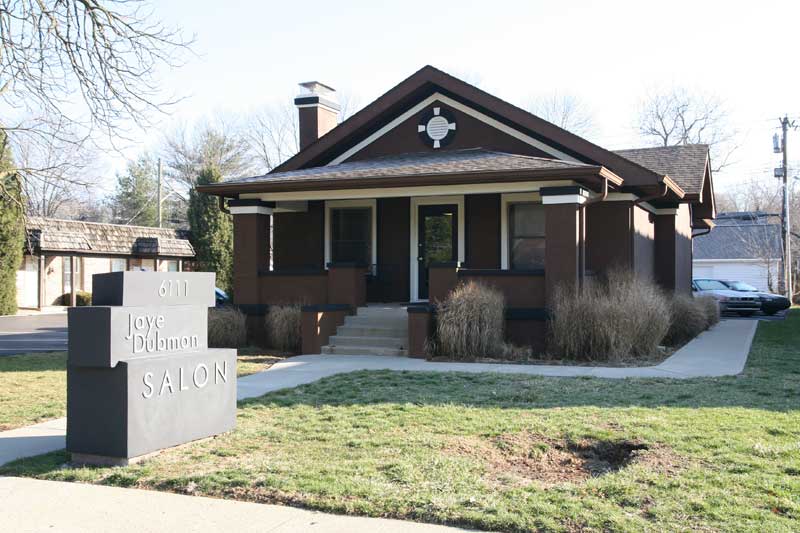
pixel 32 388
pixel 724 453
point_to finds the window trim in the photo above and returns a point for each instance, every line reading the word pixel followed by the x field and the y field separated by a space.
pixel 506 200
pixel 336 204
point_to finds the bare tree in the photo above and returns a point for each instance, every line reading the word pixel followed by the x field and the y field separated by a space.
pixel 52 169
pixel 678 116
pixel 76 66
pixel 272 134
pixel 566 111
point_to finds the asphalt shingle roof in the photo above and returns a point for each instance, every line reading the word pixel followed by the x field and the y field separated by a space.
pixel 61 236
pixel 412 164
pixel 739 241
pixel 686 164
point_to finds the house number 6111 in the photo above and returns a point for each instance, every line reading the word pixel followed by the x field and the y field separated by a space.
pixel 170 287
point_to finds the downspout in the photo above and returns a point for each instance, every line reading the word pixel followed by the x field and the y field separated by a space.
pixel 704 232
pixel 590 201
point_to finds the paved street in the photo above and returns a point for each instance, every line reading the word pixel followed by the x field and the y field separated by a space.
pixel 35 333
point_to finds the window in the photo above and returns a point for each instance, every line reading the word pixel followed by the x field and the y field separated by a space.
pixel 351 235
pixel 119 264
pixel 66 274
pixel 172 266
pixel 526 236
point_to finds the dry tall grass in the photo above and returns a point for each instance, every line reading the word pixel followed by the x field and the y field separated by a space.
pixel 618 317
pixel 710 309
pixel 688 318
pixel 227 327
pixel 470 323
pixel 283 327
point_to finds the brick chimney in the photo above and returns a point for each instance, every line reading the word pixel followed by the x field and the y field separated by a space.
pixel 318 111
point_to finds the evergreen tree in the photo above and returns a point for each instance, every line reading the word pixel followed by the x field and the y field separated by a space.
pixel 12 231
pixel 136 198
pixel 212 231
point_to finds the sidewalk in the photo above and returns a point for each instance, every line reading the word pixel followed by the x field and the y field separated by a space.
pixel 721 351
pixel 31 505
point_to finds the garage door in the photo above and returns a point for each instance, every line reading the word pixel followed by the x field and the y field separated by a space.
pixel 28 283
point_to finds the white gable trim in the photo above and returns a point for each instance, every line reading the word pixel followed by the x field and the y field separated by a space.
pixel 464 109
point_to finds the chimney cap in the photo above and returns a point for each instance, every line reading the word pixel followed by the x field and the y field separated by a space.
pixel 317 88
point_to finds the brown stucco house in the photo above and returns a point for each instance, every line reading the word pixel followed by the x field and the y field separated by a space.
pixel 438 181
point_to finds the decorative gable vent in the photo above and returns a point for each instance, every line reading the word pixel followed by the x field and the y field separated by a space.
pixel 437 127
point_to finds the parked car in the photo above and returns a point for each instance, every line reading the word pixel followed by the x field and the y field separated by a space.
pixel 770 303
pixel 729 300
pixel 222 298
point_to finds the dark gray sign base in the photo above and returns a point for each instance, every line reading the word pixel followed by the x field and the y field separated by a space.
pixel 150 403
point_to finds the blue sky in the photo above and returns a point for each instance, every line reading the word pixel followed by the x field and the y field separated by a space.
pixel 609 54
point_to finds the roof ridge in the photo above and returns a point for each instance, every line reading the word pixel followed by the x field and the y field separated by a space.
pixel 71 221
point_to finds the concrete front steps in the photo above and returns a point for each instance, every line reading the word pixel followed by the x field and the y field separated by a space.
pixel 373 330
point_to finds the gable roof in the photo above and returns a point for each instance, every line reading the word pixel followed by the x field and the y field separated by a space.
pixel 72 236
pixel 429 80
pixel 453 166
pixel 739 237
pixel 686 164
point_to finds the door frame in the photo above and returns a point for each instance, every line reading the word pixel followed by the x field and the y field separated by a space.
pixel 416 202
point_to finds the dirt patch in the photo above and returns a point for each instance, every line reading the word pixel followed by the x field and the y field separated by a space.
pixel 521 459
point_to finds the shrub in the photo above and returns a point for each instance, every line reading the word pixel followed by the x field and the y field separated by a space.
pixel 227 327
pixel 612 318
pixel 687 320
pixel 283 327
pixel 82 298
pixel 470 323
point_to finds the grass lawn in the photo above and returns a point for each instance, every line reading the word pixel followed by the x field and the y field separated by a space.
pixel 33 387
pixel 509 452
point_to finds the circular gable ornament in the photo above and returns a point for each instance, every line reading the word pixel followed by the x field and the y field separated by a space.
pixel 437 127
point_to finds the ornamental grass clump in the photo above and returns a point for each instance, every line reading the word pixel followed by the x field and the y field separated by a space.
pixel 710 308
pixel 688 318
pixel 227 327
pixel 614 318
pixel 283 327
pixel 470 323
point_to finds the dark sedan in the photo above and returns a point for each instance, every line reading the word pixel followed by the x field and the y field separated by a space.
pixel 770 303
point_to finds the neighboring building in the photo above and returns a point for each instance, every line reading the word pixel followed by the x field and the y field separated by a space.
pixel 744 246
pixel 62 255
pixel 438 181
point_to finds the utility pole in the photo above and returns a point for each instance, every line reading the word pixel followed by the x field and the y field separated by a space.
pixel 159 189
pixel 786 230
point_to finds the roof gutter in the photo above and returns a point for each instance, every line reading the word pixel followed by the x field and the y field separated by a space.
pixel 603 194
pixel 655 196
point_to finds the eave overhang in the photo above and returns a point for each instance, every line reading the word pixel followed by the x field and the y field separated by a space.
pixel 591 176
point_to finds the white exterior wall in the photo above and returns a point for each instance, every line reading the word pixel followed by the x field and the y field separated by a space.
pixel 754 272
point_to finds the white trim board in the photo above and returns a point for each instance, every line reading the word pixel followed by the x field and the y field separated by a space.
pixel 332 204
pixel 414 236
pixel 464 109
pixel 250 210
pixel 395 192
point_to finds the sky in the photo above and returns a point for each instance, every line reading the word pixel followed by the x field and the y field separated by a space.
pixel 608 54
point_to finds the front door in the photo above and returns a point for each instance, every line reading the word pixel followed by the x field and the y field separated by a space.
pixel 438 240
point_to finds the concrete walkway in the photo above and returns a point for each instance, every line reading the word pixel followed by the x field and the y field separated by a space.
pixel 721 351
pixel 30 505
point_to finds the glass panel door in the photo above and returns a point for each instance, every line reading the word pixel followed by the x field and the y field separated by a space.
pixel 438 240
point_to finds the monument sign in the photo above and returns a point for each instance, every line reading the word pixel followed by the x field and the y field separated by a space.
pixel 140 375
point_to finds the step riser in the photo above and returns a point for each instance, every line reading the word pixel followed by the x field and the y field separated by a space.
pixel 361 331
pixel 388 342
pixel 388 313
pixel 362 350
pixel 376 322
